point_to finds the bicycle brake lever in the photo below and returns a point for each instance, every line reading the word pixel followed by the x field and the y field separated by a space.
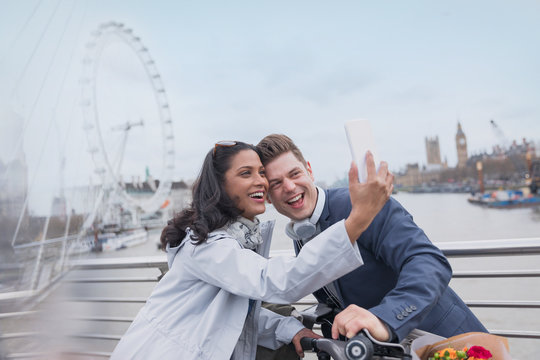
pixel 330 346
pixel 381 348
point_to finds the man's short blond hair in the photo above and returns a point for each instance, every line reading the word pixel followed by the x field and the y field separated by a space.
pixel 274 145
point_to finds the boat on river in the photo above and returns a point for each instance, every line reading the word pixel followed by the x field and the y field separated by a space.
pixel 505 199
pixel 112 241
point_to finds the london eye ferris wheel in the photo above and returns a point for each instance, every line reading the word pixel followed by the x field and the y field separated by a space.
pixel 127 118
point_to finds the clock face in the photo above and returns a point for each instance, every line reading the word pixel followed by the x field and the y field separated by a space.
pixel 462 141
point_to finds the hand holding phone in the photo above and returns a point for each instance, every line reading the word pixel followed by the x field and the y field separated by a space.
pixel 361 140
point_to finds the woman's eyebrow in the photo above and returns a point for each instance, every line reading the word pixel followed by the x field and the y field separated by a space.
pixel 248 167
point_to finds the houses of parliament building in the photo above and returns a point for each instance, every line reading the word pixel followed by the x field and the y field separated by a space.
pixel 508 164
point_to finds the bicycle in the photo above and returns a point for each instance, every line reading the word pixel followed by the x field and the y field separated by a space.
pixel 360 347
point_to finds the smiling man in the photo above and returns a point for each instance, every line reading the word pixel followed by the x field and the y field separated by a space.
pixel 403 284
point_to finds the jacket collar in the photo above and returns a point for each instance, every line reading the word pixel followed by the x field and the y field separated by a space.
pixel 325 214
pixel 267 227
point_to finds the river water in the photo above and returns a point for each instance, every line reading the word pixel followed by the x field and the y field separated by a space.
pixel 446 218
pixel 443 217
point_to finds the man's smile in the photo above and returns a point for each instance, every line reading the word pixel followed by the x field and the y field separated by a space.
pixel 296 201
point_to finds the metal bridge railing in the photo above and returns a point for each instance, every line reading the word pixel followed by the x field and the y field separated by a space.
pixel 469 249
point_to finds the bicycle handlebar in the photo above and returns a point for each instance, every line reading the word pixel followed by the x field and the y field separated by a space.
pixel 360 347
pixel 325 348
pixel 308 343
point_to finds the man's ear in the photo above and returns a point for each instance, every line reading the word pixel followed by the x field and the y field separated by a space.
pixel 268 200
pixel 310 172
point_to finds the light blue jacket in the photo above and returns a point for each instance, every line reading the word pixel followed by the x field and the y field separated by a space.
pixel 199 309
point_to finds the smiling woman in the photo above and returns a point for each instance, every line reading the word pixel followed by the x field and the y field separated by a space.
pixel 219 271
pixel 245 183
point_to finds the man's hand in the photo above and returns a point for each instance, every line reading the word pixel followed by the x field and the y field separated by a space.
pixel 354 318
pixel 367 198
pixel 301 334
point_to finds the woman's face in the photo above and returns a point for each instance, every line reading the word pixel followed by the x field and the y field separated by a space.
pixel 246 184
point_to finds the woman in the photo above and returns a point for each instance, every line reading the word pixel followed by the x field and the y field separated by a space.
pixel 207 306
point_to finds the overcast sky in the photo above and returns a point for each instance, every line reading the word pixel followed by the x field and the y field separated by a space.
pixel 243 69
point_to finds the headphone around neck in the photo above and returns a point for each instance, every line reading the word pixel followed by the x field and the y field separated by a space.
pixel 306 228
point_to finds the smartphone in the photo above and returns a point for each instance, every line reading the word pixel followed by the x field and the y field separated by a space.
pixel 361 140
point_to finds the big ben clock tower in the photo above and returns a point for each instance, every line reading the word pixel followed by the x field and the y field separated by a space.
pixel 461 145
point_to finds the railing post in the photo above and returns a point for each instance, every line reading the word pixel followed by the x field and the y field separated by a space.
pixel 37 267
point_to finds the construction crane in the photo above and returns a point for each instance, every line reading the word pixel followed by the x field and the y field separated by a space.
pixel 503 140
pixel 517 161
pixel 125 128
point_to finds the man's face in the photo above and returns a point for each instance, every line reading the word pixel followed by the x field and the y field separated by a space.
pixel 291 190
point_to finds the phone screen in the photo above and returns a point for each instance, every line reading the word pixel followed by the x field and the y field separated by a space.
pixel 361 140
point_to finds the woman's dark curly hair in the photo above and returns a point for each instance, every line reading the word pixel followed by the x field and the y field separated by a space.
pixel 211 207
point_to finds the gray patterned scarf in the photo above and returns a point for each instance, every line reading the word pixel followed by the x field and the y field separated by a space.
pixel 246 232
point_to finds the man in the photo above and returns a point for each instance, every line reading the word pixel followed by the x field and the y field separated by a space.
pixel 403 283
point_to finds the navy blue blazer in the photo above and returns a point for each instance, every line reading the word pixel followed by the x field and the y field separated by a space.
pixel 404 279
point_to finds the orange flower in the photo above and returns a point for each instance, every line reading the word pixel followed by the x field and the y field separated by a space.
pixel 451 352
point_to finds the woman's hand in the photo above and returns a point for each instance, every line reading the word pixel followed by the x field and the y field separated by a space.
pixel 301 334
pixel 367 198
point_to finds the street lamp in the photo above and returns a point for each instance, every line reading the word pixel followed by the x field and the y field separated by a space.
pixel 480 175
